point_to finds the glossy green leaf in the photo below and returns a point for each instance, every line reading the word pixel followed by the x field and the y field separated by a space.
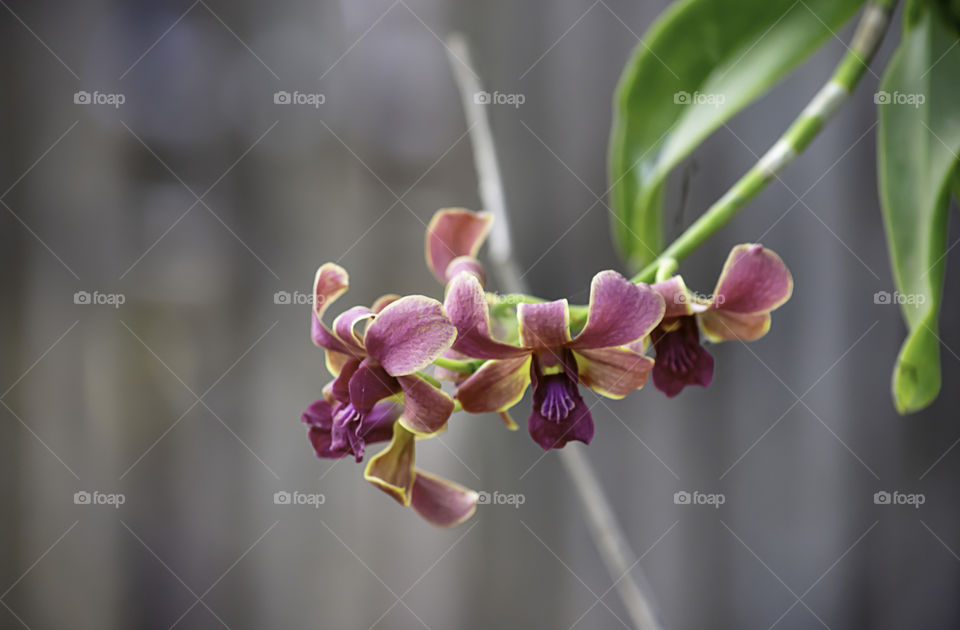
pixel 699 64
pixel 917 150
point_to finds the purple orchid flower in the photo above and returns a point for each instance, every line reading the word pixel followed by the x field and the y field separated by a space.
pixel 620 313
pixel 454 237
pixel 333 440
pixel 754 282
pixel 441 502
pixel 403 336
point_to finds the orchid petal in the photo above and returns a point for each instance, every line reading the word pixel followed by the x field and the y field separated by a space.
pixel 496 386
pixel 441 502
pixel 466 305
pixel 409 334
pixel 467 264
pixel 681 360
pixel 454 232
pixel 377 426
pixel 753 280
pixel 577 425
pixel 612 372
pixel 329 284
pixel 319 419
pixel 723 325
pixel 345 323
pixel 340 388
pixel 369 385
pixel 336 360
pixel 325 339
pixel 383 302
pixel 319 414
pixel 677 298
pixel 426 408
pixel 620 312
pixel 391 469
pixel 544 325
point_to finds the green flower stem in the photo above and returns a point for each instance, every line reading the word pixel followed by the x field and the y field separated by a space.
pixel 456 365
pixel 824 105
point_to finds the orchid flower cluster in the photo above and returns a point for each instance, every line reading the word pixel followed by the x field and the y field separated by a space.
pixel 492 348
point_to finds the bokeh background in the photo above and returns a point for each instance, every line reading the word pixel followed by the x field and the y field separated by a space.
pixel 198 199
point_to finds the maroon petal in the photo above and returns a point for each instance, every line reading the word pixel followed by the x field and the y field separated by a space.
pixel 681 360
pixel 319 419
pixel 454 232
pixel 559 414
pixel 369 385
pixel 441 502
pixel 613 372
pixel 466 305
pixel 496 386
pixel 409 334
pixel 620 312
pixel 377 426
pixel 340 388
pixel 318 414
pixel 753 280
pixel 426 408
pixel 322 444
pixel 544 325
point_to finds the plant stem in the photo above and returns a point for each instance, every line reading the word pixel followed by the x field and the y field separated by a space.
pixel 456 365
pixel 607 534
pixel 824 105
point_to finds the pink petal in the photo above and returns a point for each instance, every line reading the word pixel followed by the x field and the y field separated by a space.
pixel 679 301
pixel 426 408
pixel 345 323
pixel 391 469
pixel 620 312
pixel 369 385
pixel 545 325
pixel 409 334
pixel 454 232
pixel 329 284
pixel 466 305
pixel 383 302
pixel 496 386
pixel 467 264
pixel 723 325
pixel 613 372
pixel 441 502
pixel 753 280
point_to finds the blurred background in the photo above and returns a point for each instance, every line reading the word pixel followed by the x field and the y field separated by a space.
pixel 162 221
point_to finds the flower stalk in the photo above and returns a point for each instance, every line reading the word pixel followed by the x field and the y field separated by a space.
pixel 814 117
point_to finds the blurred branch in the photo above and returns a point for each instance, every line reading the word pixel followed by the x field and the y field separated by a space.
pixel 606 531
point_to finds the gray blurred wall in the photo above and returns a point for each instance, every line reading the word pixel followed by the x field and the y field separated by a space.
pixel 199 198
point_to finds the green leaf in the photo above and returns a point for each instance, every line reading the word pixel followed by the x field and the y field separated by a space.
pixel 917 159
pixel 709 50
